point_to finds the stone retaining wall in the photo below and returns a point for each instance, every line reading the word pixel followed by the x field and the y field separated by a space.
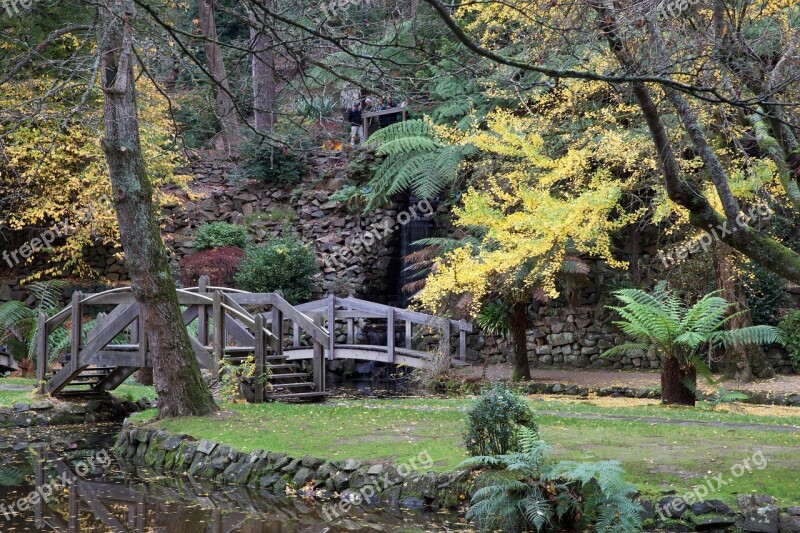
pixel 757 514
pixel 753 397
pixel 349 479
pixel 576 337
pixel 277 472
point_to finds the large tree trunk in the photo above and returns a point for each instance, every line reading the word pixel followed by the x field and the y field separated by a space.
pixel 179 385
pixel 518 326
pixel 742 362
pixel 261 43
pixel 674 379
pixel 226 108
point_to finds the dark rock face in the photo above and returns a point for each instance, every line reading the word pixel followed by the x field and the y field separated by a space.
pixel 712 506
pixel 789 523
pixel 761 519
pixel 714 523
pixel 671 507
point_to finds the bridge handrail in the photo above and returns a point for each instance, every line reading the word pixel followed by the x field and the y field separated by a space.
pixel 403 314
pixel 59 318
pixel 318 333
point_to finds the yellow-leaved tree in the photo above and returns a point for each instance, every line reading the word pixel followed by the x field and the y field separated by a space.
pixel 534 216
pixel 53 174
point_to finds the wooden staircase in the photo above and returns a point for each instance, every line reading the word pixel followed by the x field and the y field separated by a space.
pixel 283 380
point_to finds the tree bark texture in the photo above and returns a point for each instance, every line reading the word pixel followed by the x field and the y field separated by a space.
pixel 744 362
pixel 178 383
pixel 674 379
pixel 518 325
pixel 225 106
pixel 263 70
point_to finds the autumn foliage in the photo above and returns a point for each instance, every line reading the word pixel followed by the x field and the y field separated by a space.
pixel 219 264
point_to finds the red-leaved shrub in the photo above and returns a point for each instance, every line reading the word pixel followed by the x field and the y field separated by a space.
pixel 219 264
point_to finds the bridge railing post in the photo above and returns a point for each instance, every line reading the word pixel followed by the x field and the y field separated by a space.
pixel 42 361
pixel 318 360
pixel 218 351
pixel 446 337
pixel 462 341
pixel 277 328
pixel 76 329
pixel 260 349
pixel 390 335
pixel 331 325
pixel 202 312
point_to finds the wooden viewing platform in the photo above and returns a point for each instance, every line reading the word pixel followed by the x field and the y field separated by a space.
pixel 366 116
pixel 290 344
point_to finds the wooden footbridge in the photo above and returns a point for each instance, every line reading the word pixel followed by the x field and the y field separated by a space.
pixel 289 344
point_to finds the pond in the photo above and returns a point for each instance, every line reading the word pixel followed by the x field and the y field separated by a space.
pixel 80 487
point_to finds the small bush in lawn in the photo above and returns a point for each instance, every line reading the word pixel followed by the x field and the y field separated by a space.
pixel 219 234
pixel 220 265
pixel 284 264
pixel 493 420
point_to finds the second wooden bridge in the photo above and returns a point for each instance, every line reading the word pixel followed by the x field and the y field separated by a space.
pixel 289 344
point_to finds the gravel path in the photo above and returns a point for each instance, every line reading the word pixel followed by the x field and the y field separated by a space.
pixel 622 378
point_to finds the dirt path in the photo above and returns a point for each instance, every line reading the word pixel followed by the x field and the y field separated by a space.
pixel 622 378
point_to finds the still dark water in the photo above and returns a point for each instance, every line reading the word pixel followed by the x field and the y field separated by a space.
pixel 80 487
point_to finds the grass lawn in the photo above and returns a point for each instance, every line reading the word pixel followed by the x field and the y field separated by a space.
pixel 656 456
pixel 331 431
pixel 128 391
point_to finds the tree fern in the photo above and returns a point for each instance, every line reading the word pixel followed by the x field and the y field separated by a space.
pixel 20 320
pixel 517 492
pixel 661 323
pixel 415 160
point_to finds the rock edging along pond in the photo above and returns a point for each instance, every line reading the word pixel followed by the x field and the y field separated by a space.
pixel 50 412
pixel 386 482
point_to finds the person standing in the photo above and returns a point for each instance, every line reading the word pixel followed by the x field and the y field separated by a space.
pixel 356 127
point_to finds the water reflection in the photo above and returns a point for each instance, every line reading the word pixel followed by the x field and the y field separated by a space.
pixel 109 497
